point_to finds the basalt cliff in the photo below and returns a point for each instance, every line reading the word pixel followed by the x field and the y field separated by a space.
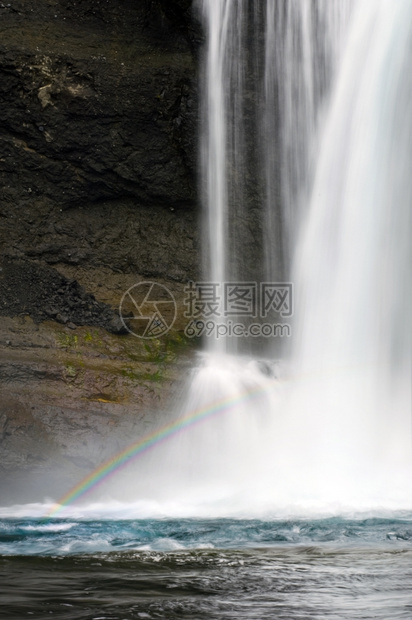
pixel 98 150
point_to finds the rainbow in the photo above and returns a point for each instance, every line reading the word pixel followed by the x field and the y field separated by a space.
pixel 136 449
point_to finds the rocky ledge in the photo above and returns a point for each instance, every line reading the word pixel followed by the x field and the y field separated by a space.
pixel 71 398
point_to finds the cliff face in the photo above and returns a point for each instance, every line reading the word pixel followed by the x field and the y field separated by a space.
pixel 98 124
pixel 98 118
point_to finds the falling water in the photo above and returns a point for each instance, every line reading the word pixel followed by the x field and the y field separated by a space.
pixel 229 163
pixel 303 41
pixel 268 69
pixel 353 344
pixel 335 432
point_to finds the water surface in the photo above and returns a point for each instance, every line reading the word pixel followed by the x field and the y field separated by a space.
pixel 359 568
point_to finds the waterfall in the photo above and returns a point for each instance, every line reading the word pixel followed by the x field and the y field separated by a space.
pixel 230 179
pixel 306 137
pixel 303 41
pixel 352 347
pixel 318 93
pixel 268 68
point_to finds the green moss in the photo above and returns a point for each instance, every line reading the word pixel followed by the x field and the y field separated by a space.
pixel 167 349
pixel 66 341
pixel 88 337
pixel 93 336
pixel 161 354
pixel 141 362
pixel 129 373
pixel 70 371
pixel 140 377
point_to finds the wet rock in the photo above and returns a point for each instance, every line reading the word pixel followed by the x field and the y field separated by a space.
pixel 27 288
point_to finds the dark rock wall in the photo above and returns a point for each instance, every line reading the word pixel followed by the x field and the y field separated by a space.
pixel 98 125
pixel 98 117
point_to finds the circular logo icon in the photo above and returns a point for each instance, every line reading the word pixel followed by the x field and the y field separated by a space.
pixel 148 310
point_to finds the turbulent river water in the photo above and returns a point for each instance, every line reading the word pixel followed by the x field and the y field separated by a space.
pixel 357 567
